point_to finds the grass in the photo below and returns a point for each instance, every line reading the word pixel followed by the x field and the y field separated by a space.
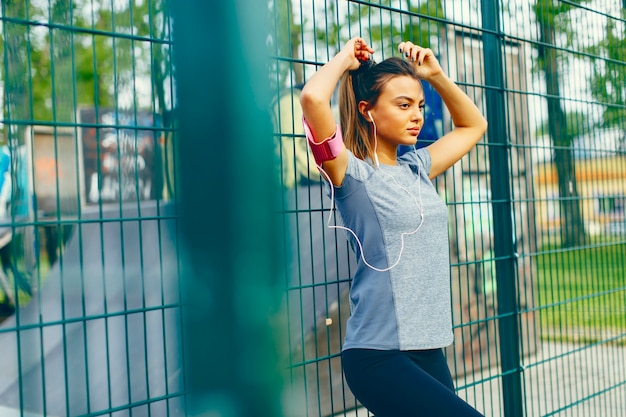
pixel 582 292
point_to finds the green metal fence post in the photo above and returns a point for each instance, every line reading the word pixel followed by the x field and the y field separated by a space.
pixel 504 233
pixel 228 167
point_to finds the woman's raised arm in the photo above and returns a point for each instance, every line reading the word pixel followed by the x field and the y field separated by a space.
pixel 315 101
pixel 469 123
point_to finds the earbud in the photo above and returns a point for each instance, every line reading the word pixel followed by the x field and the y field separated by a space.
pixel 369 113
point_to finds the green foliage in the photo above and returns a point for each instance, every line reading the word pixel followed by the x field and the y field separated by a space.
pixel 13 58
pixel 609 78
pixel 385 26
pixel 553 20
pixel 577 123
pixel 77 58
pixel 548 12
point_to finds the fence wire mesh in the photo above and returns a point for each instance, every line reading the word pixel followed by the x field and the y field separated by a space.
pixel 90 305
pixel 89 300
pixel 536 210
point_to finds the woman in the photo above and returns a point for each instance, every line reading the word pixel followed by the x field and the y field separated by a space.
pixel 400 296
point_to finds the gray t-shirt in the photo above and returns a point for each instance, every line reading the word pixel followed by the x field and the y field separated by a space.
pixel 408 306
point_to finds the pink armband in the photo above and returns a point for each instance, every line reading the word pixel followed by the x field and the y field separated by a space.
pixel 326 150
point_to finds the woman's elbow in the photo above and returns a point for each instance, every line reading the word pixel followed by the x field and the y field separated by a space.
pixel 308 99
pixel 483 125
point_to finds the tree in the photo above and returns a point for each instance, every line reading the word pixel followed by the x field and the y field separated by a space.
pixel 608 82
pixel 420 23
pixel 49 72
pixel 16 105
pixel 577 124
pixel 417 24
pixel 60 55
pixel 46 70
pixel 552 20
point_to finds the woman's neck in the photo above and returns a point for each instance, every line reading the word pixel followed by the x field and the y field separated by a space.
pixel 387 155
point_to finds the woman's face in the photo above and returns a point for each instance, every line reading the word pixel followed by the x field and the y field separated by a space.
pixel 399 112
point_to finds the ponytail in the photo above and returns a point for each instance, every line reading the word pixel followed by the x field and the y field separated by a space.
pixel 357 134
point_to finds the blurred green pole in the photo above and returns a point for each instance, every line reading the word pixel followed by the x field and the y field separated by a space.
pixel 229 220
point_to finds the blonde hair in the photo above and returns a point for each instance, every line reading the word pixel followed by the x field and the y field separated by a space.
pixel 365 84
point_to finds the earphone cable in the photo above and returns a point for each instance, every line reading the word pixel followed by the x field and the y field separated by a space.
pixel 419 206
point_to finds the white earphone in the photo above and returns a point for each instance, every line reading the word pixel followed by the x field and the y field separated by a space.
pixel 375 140
pixel 417 200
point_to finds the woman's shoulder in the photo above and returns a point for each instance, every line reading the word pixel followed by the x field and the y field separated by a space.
pixel 418 157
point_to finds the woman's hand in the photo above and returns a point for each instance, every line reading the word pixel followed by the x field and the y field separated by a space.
pixel 423 59
pixel 357 50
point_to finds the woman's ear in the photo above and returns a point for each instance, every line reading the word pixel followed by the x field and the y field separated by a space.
pixel 363 109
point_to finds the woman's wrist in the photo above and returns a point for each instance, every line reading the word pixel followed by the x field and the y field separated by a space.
pixel 438 79
pixel 345 60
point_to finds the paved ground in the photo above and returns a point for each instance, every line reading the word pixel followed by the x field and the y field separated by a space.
pixel 565 380
pixel 98 332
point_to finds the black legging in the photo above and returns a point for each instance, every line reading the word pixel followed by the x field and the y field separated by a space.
pixel 403 383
